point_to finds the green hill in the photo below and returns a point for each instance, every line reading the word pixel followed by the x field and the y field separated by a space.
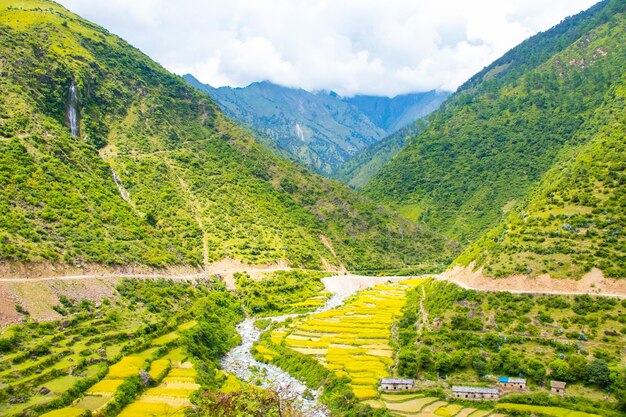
pixel 492 141
pixel 192 187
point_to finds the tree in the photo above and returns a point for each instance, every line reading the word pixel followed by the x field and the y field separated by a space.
pixel 618 386
pixel 425 359
pixel 507 362
pixel 444 363
pixel 560 370
pixel 598 373
pixel 408 363
pixel 535 371
pixel 578 367
pixel 480 366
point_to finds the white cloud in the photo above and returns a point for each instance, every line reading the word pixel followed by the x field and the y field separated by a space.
pixel 383 47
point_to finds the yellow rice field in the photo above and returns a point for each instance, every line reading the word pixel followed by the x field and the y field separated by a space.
pixel 128 366
pixel 158 368
pixel 105 388
pixel 352 340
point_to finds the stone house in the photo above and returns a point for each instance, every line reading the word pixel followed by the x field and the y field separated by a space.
pixel 475 393
pixel 506 382
pixel 557 388
pixel 396 384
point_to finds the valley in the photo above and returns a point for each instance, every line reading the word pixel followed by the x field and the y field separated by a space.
pixel 171 249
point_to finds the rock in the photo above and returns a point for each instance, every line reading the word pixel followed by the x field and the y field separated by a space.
pixel 145 378
pixel 17 400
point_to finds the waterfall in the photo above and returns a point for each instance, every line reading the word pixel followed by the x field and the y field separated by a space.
pixel 72 110
pixel 123 192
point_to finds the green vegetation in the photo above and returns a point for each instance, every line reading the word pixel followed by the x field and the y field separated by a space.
pixel 282 292
pixel 194 188
pixel 467 335
pixel 498 135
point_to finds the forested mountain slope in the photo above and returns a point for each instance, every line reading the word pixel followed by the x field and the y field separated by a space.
pixel 575 219
pixel 498 135
pixel 321 130
pixel 360 169
pixel 192 187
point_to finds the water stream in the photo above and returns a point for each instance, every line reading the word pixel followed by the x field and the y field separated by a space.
pixel 123 192
pixel 240 362
pixel 72 110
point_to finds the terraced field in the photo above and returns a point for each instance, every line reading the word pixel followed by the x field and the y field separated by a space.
pixel 58 359
pixel 543 410
pixel 352 340
pixel 417 405
pixel 62 362
pixel 171 397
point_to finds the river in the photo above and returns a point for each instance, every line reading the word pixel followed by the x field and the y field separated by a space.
pixel 240 362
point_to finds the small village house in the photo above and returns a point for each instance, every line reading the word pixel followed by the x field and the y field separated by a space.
pixel 396 384
pixel 557 388
pixel 508 383
pixel 475 393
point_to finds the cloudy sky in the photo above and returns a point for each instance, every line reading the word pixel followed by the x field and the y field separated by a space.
pixel 381 47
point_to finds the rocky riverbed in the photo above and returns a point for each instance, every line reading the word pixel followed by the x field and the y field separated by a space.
pixel 240 362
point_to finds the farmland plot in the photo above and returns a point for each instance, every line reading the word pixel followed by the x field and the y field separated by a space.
pixel 171 397
pixel 352 340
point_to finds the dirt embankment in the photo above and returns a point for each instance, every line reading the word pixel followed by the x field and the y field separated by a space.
pixel 38 297
pixel 593 283
pixel 344 284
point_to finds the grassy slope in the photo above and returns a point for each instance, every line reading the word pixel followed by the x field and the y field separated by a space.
pixel 194 178
pixel 496 137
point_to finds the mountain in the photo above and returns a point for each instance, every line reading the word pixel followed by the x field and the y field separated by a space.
pixel 392 114
pixel 360 169
pixel 496 138
pixel 575 218
pixel 108 159
pixel 321 130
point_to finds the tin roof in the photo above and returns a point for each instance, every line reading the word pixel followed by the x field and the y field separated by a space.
pixel 475 390
pixel 396 381
pixel 506 379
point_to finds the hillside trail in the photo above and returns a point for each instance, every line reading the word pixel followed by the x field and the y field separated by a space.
pixel 228 267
